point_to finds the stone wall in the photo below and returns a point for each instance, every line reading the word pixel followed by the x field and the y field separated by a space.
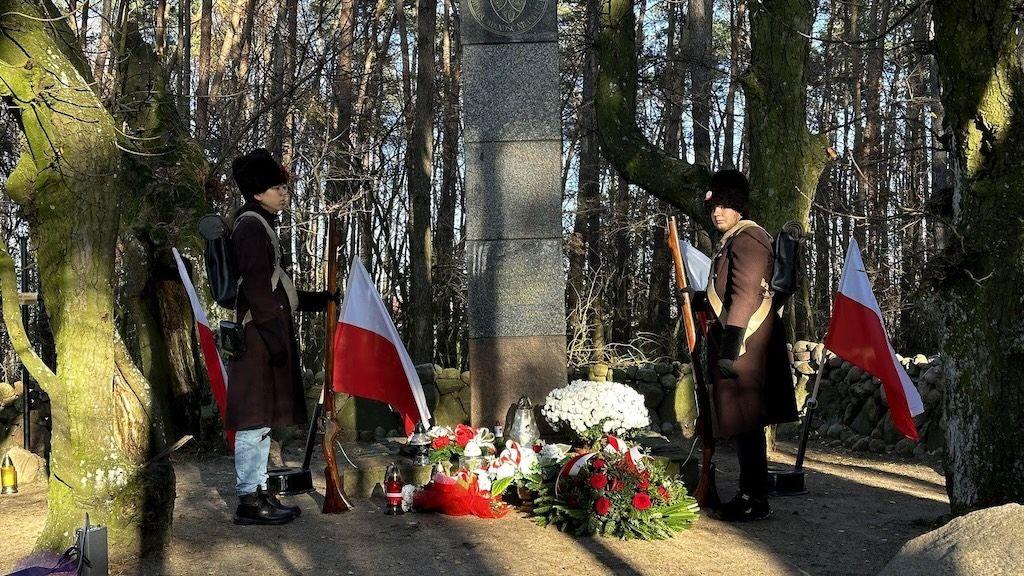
pixel 10 413
pixel 851 409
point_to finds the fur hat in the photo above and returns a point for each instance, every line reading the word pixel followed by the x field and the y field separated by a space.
pixel 257 171
pixel 728 188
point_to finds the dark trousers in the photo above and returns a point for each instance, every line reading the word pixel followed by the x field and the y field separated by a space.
pixel 752 450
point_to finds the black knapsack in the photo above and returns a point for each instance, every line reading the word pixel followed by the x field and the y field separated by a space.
pixel 786 270
pixel 220 264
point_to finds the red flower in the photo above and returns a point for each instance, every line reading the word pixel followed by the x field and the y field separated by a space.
pixel 441 442
pixel 602 506
pixel 572 502
pixel 663 492
pixel 616 485
pixel 641 501
pixel 598 481
pixel 537 448
pixel 463 434
pixel 600 464
pixel 644 484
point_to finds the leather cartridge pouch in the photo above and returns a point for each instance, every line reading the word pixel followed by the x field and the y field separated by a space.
pixel 231 339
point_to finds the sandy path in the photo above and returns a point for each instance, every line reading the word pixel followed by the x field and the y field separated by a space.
pixel 860 511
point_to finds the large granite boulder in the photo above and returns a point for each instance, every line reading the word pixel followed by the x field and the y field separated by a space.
pixel 984 542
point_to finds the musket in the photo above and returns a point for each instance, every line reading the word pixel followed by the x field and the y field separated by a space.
pixel 335 499
pixel 706 492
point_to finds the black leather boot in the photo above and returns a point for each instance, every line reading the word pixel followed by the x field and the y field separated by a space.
pixel 252 509
pixel 744 508
pixel 293 510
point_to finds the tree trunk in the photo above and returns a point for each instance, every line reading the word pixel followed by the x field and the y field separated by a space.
pixel 698 22
pixel 185 69
pixel 105 427
pixel 447 265
pixel 203 89
pixel 785 158
pixel 737 18
pixel 624 144
pixel 983 86
pixel 420 158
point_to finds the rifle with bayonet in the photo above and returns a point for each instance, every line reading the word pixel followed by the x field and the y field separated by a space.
pixel 706 492
pixel 335 499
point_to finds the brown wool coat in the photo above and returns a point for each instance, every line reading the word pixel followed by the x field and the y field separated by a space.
pixel 763 392
pixel 260 393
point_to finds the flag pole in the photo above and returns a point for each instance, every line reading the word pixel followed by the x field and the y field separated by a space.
pixel 809 405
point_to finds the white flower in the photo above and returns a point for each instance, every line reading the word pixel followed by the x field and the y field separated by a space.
pixel 408 492
pixel 439 431
pixel 484 439
pixel 502 468
pixel 483 480
pixel 553 453
pixel 472 450
pixel 585 404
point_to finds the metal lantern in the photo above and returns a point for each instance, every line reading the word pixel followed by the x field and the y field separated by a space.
pixel 523 426
pixel 419 445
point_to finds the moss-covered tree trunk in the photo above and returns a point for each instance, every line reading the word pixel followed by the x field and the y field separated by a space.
pixel 167 180
pixel 983 95
pixel 69 185
pixel 785 158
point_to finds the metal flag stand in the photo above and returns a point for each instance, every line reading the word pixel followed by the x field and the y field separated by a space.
pixel 792 482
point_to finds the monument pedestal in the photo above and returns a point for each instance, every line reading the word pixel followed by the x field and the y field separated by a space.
pixel 513 133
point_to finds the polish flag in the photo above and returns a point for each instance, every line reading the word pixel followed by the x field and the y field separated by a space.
pixel 208 344
pixel 856 334
pixel 370 360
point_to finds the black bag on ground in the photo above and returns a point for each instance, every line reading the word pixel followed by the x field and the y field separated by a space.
pixel 220 266
pixel 786 269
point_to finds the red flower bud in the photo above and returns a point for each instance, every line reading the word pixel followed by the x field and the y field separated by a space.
pixel 664 493
pixel 641 501
pixel 537 448
pixel 598 481
pixel 602 506
pixel 643 485
pixel 600 464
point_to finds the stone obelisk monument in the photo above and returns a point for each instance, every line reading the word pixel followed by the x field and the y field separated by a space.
pixel 513 136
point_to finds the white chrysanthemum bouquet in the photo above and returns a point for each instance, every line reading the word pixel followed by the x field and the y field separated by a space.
pixel 593 409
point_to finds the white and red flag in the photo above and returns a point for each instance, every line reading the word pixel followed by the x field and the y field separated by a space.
pixel 208 344
pixel 370 360
pixel 857 334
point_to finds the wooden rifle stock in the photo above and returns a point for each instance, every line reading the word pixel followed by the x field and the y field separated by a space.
pixel 335 499
pixel 707 491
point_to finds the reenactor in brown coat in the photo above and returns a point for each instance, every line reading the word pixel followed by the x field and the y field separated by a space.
pixel 265 384
pixel 748 366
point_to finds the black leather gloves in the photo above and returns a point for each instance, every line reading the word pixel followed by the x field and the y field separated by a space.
pixel 732 339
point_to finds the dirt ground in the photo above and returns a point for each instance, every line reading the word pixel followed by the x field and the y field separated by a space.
pixel 859 512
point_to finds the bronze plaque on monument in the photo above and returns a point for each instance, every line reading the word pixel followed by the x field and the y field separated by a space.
pixel 498 21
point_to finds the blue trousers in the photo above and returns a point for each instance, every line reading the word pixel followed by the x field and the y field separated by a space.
pixel 252 449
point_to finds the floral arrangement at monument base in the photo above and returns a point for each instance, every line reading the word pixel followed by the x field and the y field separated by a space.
pixel 614 491
pixel 470 479
pixel 591 410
